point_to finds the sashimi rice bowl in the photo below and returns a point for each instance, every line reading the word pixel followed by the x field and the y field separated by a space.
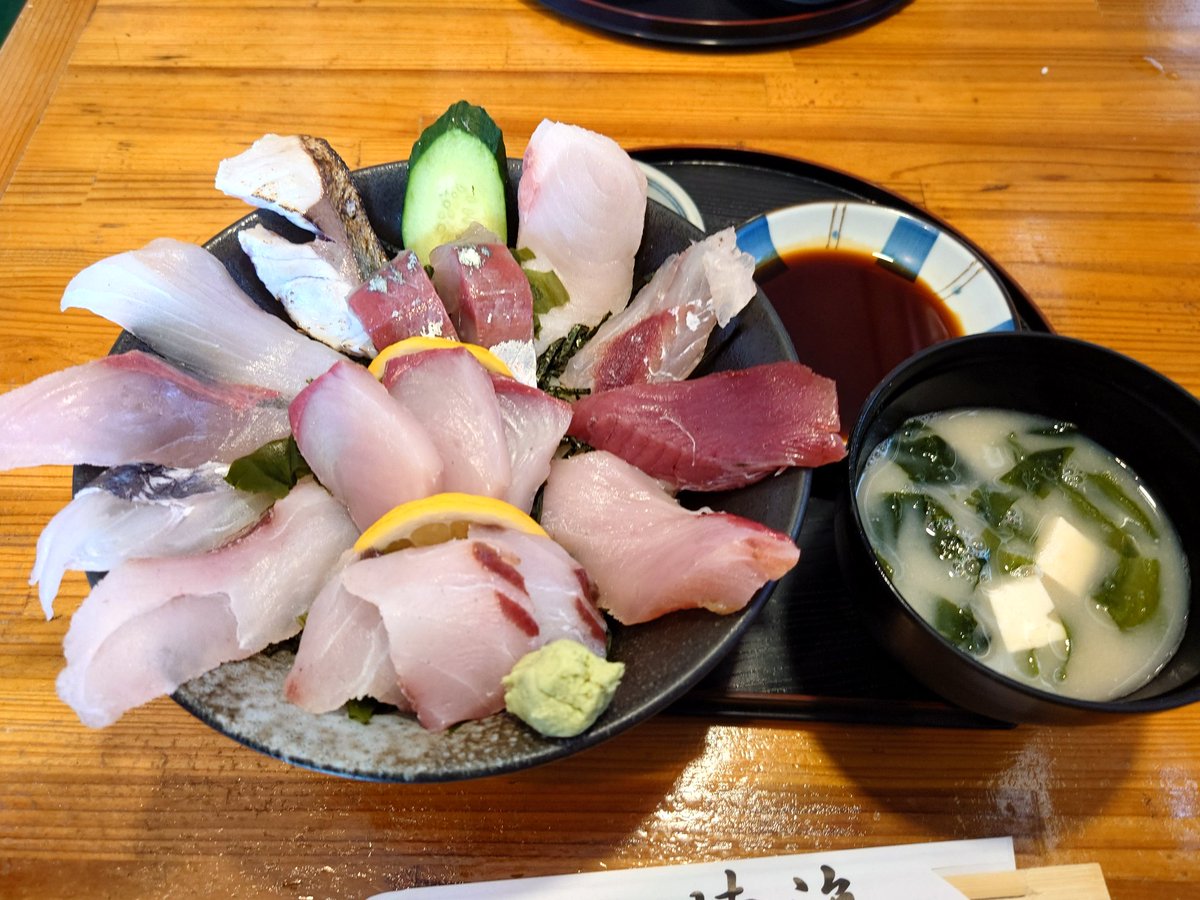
pixel 438 469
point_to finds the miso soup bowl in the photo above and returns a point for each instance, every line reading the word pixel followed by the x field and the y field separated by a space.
pixel 1137 414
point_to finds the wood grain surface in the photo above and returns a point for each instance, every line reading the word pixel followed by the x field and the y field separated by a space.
pixel 1063 136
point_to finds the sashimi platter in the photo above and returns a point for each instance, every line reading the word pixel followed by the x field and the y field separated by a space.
pixel 433 470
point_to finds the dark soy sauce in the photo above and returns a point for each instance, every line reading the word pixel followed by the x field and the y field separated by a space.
pixel 853 319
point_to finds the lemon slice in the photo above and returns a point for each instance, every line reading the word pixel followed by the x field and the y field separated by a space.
pixel 418 344
pixel 440 518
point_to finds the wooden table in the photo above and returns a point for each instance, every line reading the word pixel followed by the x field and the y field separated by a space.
pixel 1061 135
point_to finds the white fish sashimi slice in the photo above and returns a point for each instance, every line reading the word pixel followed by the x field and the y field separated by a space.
pixel 662 334
pixel 141 511
pixel 534 425
pixel 562 594
pixel 457 622
pixel 152 624
pixel 582 207
pixel 344 654
pixel 180 300
pixel 366 448
pixel 647 554
pixel 313 281
pixel 303 179
pixel 134 407
pixel 451 395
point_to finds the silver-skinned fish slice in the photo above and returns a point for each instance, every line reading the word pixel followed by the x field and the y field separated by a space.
pixel 143 511
pixel 134 407
pixel 152 624
pixel 179 299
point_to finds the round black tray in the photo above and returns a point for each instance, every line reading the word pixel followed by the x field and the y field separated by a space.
pixel 725 24
pixel 806 656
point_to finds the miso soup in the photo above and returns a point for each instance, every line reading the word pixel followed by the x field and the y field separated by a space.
pixel 1028 545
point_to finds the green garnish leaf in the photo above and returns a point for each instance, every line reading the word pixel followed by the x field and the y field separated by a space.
pixel 1038 472
pixel 1107 484
pixel 924 455
pixel 273 469
pixel 362 709
pixel 960 627
pixel 548 293
pixel 1131 593
pixel 947 542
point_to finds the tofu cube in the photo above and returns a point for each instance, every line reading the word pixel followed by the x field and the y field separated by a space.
pixel 1024 614
pixel 1071 559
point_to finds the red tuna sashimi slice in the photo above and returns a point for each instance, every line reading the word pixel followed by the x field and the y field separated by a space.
pixel 721 431
pixel 489 299
pixel 662 334
pixel 152 624
pixel 344 654
pixel 582 206
pixel 562 593
pixel 534 425
pixel 367 449
pixel 457 619
pixel 179 299
pixel 647 554
pixel 131 408
pixel 451 395
pixel 399 301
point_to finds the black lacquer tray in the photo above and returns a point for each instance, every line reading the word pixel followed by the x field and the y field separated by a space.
pixel 806 656
pixel 725 24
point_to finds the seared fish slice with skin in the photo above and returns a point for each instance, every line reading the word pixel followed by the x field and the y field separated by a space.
pixel 313 281
pixel 141 510
pixel 303 179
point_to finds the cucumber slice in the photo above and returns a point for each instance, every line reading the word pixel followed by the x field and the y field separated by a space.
pixel 457 175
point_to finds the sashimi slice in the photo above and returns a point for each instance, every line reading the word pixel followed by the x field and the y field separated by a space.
pixel 662 334
pixel 141 511
pixel 562 593
pixel 134 407
pixel 534 426
pixel 457 622
pixel 366 448
pixel 720 431
pixel 152 624
pixel 451 395
pixel 303 179
pixel 312 281
pixel 399 301
pixel 647 554
pixel 582 205
pixel 489 300
pixel 180 300
pixel 344 654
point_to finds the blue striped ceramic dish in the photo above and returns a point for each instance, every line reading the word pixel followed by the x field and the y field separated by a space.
pixel 912 248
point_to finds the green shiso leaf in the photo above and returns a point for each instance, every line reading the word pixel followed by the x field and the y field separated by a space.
pixel 273 469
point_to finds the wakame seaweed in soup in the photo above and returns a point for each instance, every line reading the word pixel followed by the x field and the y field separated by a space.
pixel 1029 546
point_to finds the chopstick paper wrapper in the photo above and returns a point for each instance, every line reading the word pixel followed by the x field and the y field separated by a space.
pixel 911 872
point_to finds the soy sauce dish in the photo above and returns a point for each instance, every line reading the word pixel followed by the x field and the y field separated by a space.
pixel 862 286
pixel 1043 566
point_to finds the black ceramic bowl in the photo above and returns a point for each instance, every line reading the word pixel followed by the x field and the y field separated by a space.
pixel 1134 412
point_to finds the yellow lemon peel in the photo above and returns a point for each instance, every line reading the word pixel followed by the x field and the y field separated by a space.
pixel 439 518
pixel 420 343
